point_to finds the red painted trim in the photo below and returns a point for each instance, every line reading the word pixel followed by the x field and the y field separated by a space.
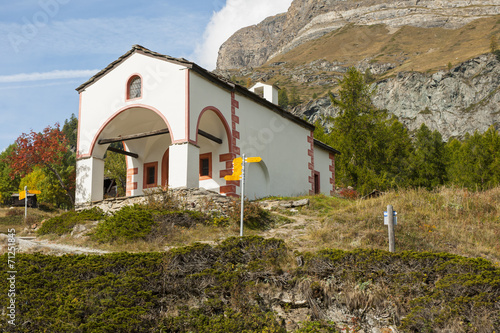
pixel 227 172
pixel 188 104
pixel 132 171
pixel 233 182
pixel 145 175
pixel 235 119
pixel 310 165
pixel 205 156
pixel 332 170
pixel 164 169
pixel 228 190
pixel 130 185
pixel 227 157
pixel 103 126
pixel 317 190
pixel 127 87
pixel 79 122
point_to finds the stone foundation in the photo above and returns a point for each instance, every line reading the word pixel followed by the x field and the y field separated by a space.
pixel 198 199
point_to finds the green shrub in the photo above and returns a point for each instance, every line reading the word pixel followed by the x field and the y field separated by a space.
pixel 129 223
pixel 223 320
pixel 65 222
pixel 254 218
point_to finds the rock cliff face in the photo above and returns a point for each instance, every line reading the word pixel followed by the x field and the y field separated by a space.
pixel 310 19
pixel 464 99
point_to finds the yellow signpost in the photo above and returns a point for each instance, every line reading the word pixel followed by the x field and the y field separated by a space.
pixel 24 195
pixel 239 173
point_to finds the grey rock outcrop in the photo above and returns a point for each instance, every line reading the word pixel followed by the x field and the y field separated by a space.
pixel 455 102
pixel 310 19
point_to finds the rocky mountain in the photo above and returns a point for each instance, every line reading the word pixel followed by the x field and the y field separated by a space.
pixel 429 60
pixel 310 19
pixel 456 101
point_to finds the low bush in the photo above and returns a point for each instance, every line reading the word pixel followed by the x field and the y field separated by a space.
pixel 232 287
pixel 129 223
pixel 222 319
pixel 65 222
pixel 254 218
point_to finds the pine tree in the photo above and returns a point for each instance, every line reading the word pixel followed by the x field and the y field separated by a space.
pixel 427 162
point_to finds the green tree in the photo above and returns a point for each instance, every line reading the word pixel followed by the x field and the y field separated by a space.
pixel 283 98
pixel 353 129
pixel 374 148
pixel 70 130
pixel 294 97
pixel 8 185
pixel 115 168
pixel 474 163
pixel 427 162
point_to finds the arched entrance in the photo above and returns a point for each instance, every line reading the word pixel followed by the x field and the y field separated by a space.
pixel 146 136
pixel 213 136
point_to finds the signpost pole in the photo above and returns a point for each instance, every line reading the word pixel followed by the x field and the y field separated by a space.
pixel 390 218
pixel 242 192
pixel 25 202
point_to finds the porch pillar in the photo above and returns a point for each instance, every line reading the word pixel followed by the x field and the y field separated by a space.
pixel 90 180
pixel 184 164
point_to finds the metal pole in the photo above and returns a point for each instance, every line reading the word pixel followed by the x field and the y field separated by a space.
pixel 242 192
pixel 25 202
pixel 390 219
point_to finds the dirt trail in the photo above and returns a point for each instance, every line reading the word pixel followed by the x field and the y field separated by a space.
pixel 297 233
pixel 31 245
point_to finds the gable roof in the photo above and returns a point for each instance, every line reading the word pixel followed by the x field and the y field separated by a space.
pixel 228 85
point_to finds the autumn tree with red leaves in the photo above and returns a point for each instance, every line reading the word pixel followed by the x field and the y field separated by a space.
pixel 48 150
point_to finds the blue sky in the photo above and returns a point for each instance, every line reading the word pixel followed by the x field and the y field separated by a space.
pixel 49 47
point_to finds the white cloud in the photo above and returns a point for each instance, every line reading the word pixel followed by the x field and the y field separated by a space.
pixel 53 75
pixel 235 15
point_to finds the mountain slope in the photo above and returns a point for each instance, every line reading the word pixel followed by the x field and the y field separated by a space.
pixel 308 20
pixel 401 61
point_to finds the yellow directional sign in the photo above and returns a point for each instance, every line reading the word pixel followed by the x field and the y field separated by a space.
pixel 237 167
pixel 22 194
pixel 236 170
pixel 253 159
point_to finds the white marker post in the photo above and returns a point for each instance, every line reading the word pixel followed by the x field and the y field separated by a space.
pixel 242 192
pixel 390 224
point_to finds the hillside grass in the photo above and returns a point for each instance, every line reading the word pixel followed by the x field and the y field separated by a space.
pixel 13 218
pixel 449 220
pixel 419 49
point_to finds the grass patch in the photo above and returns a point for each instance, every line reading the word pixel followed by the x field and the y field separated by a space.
pixel 451 220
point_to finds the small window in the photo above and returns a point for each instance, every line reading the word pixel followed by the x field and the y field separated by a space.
pixel 134 87
pixel 205 166
pixel 150 175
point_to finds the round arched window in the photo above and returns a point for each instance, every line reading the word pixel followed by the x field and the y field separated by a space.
pixel 134 87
